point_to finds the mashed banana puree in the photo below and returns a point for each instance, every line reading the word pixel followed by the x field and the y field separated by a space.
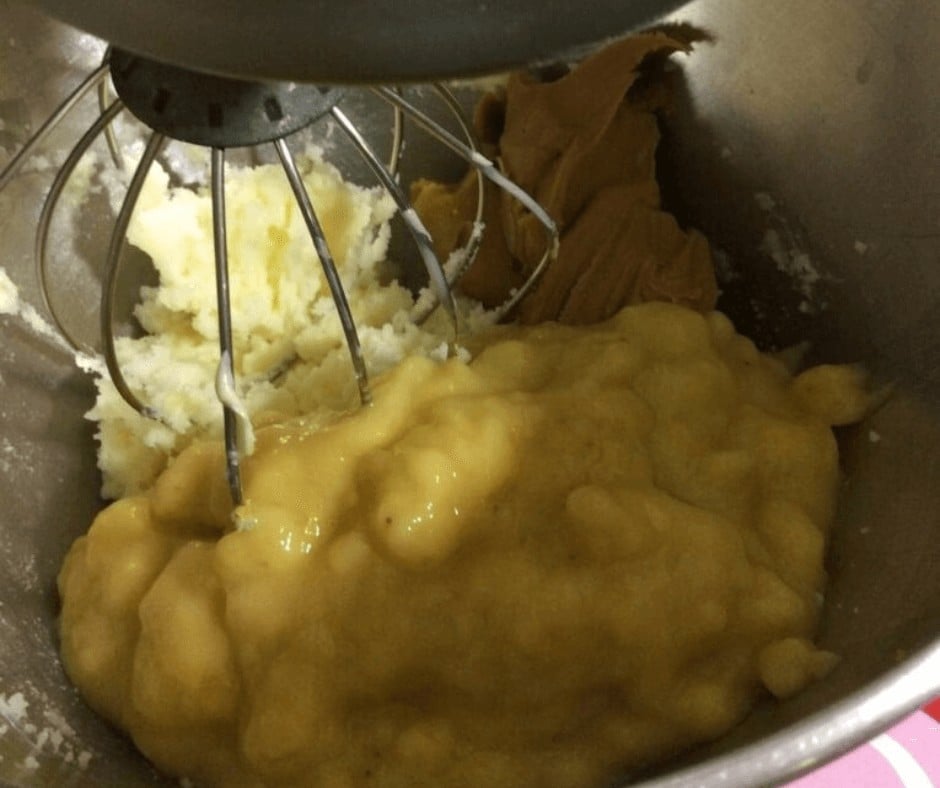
pixel 586 549
pixel 582 551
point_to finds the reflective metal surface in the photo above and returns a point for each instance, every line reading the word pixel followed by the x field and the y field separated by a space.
pixel 355 40
pixel 805 142
pixel 808 134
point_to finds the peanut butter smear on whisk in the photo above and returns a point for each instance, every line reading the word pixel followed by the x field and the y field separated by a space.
pixel 584 145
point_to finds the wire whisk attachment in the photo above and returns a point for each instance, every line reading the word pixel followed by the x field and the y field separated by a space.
pixel 221 113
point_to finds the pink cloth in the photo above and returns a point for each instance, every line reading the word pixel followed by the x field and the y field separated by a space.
pixel 933 709
pixel 907 756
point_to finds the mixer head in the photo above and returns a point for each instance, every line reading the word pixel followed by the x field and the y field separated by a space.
pixel 356 41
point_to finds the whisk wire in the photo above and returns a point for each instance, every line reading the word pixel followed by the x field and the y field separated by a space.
pixel 492 172
pixel 13 166
pixel 118 238
pixel 398 141
pixel 465 256
pixel 104 100
pixel 226 350
pixel 41 245
pixel 412 221
pixel 329 268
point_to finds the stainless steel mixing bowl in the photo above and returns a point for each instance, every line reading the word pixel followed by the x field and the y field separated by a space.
pixel 805 145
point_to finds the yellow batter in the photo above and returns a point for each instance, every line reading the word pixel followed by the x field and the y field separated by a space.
pixel 585 550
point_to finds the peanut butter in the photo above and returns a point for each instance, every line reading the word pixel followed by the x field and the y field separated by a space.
pixel 584 146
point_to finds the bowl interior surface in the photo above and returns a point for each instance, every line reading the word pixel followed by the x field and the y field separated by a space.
pixel 803 143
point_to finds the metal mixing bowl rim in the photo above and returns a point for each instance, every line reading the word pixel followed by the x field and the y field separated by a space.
pixel 824 736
